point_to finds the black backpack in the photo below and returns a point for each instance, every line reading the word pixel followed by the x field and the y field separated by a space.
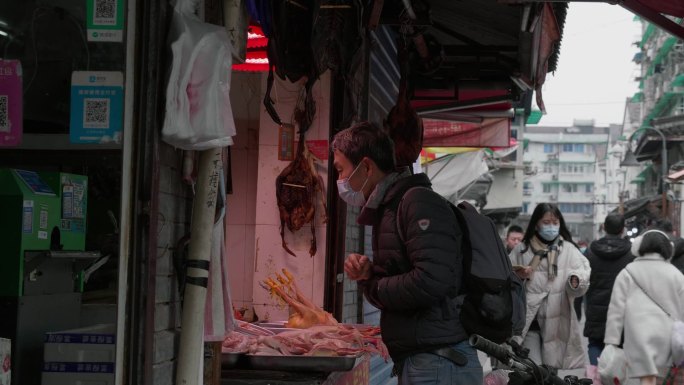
pixel 494 304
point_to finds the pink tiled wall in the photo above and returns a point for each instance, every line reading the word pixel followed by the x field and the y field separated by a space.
pixel 253 231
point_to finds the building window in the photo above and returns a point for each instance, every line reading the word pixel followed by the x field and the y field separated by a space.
pixel 579 147
pixel 548 167
pixel 567 147
pixel 548 148
pixel 589 187
pixel 525 206
pixel 546 188
pixel 569 187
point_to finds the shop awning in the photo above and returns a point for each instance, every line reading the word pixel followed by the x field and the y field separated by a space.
pixel 490 132
pixel 655 11
pixel 646 207
pixel 641 178
pixel 676 176
pixel 450 174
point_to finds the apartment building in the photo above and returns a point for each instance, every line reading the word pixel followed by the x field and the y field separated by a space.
pixel 561 166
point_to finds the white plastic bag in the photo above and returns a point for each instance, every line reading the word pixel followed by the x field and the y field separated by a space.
pixel 612 364
pixel 678 343
pixel 198 110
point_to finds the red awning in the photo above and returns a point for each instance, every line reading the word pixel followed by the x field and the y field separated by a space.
pixel 654 12
pixel 491 132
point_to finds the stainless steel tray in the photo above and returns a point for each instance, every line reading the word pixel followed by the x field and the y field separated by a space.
pixel 287 363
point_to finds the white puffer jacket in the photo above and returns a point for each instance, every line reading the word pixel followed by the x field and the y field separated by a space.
pixel 551 302
pixel 646 327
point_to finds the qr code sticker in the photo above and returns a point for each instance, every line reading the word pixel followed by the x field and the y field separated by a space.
pixel 105 12
pixel 4 114
pixel 95 113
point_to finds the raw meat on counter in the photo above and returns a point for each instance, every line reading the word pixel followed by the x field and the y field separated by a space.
pixel 304 313
pixel 337 340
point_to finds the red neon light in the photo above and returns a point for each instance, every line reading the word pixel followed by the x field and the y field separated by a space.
pixel 256 57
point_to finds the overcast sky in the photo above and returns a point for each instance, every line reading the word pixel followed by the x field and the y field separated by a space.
pixel 595 71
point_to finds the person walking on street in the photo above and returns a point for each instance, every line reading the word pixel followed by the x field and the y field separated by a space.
pixel 644 290
pixel 413 282
pixel 556 273
pixel 607 257
pixel 513 237
pixel 678 257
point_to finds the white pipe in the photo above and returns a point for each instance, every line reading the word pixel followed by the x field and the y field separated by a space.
pixel 195 295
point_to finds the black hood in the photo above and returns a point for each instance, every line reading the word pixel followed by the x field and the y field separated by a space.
pixel 610 247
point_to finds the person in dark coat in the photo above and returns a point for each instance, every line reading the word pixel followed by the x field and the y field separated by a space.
pixel 678 257
pixel 607 257
pixel 413 282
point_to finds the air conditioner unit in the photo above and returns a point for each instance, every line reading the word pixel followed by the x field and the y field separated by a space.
pixel 554 177
pixel 553 197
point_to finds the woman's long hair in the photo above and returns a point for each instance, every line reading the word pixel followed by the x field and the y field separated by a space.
pixel 537 215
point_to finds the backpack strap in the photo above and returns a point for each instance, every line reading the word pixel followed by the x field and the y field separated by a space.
pixel 395 204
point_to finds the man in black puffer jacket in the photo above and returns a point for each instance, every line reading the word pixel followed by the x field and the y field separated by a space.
pixel 413 282
pixel 607 256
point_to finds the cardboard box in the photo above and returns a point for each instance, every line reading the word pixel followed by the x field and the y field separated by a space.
pixel 84 356
pixel 90 344
pixel 78 373
pixel 5 361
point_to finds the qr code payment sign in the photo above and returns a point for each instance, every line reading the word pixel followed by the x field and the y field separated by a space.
pixel 104 12
pixel 4 114
pixel 96 113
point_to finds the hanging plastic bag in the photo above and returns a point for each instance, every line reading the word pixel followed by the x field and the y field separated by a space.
pixel 678 343
pixel 198 111
pixel 612 365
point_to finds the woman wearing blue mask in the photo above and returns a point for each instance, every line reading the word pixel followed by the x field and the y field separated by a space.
pixel 556 273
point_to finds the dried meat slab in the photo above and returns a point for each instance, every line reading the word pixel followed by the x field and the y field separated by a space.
pixel 296 189
pixel 287 363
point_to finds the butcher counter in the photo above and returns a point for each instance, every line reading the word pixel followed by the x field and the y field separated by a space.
pixel 294 370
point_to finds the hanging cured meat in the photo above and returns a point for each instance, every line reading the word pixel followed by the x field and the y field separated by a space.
pixel 296 190
pixel 403 124
pixel 299 183
pixel 304 313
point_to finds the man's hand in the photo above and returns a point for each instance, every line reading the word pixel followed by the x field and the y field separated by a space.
pixel 357 267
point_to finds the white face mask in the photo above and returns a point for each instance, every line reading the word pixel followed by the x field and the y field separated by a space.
pixel 347 194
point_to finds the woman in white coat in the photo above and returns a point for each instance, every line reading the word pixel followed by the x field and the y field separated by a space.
pixel 556 273
pixel 650 278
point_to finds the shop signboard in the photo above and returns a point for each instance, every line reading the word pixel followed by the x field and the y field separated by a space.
pixel 96 107
pixel 10 103
pixel 105 20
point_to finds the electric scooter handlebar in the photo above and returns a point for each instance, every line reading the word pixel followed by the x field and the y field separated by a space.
pixel 514 361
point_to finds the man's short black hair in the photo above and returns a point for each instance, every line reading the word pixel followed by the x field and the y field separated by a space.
pixel 514 229
pixel 614 224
